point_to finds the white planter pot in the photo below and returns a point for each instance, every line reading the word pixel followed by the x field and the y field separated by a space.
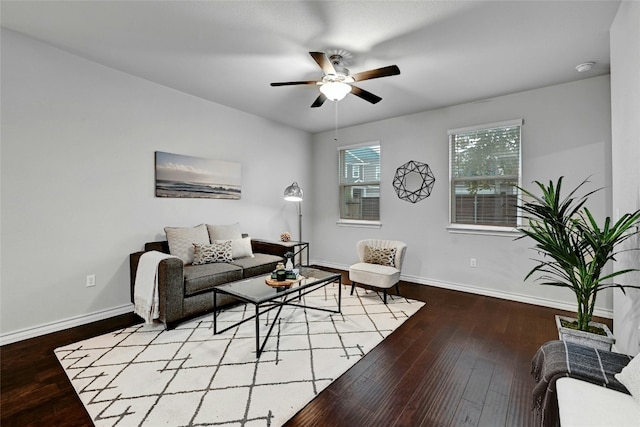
pixel 585 338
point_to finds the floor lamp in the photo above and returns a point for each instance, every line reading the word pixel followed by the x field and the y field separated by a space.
pixel 294 193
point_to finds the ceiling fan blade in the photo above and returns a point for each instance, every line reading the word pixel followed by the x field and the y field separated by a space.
pixel 391 70
pixel 367 96
pixel 323 62
pixel 319 101
pixel 306 82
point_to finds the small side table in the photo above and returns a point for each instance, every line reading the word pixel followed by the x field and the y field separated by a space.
pixel 280 248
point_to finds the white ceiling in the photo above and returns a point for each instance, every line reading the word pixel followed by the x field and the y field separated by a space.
pixel 449 52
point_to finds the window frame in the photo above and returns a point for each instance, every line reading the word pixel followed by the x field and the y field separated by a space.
pixel 366 223
pixel 482 229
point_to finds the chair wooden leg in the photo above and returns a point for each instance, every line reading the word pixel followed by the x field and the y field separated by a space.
pixel 353 286
pixel 397 289
pixel 385 296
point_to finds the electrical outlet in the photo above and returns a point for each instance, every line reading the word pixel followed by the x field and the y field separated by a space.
pixel 91 280
pixel 472 263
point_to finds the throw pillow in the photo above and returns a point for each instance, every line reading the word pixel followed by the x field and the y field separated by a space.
pixel 630 378
pixel 205 253
pixel 241 248
pixel 378 255
pixel 224 232
pixel 181 240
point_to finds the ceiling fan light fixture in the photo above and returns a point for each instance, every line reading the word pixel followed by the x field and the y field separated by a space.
pixel 335 91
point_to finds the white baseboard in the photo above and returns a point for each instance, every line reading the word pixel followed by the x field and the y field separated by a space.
pixel 528 299
pixel 60 325
pixel 71 322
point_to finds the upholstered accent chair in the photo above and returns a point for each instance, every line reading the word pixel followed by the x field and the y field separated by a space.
pixel 380 262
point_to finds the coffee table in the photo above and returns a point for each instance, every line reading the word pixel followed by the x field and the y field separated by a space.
pixel 265 298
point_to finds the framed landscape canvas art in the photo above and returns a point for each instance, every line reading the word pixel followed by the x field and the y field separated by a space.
pixel 193 177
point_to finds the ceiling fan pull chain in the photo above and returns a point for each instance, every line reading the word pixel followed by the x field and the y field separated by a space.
pixel 335 135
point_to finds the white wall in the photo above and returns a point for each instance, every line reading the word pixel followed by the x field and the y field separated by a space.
pixel 625 125
pixel 78 142
pixel 566 131
pixel 77 196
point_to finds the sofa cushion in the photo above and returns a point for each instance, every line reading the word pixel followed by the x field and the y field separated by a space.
pixel 181 240
pixel 205 253
pixel 224 232
pixel 259 264
pixel 198 278
pixel 584 404
pixel 630 378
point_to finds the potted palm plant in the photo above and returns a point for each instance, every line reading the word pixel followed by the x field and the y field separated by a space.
pixel 575 253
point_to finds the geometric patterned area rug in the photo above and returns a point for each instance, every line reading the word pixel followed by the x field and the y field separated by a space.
pixel 146 376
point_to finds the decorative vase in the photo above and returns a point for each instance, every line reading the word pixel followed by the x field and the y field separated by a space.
pixel 289 257
pixel 589 339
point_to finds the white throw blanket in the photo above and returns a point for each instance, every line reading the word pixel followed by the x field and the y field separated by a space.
pixel 145 293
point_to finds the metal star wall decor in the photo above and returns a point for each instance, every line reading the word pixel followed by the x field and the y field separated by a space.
pixel 413 193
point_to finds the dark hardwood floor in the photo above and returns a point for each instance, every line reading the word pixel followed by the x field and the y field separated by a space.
pixel 463 360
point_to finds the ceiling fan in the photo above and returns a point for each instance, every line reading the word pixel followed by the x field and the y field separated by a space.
pixel 337 82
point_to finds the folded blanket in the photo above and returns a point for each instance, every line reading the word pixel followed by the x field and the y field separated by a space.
pixel 145 293
pixel 557 359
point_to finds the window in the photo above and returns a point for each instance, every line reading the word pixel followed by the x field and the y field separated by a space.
pixel 359 181
pixel 485 166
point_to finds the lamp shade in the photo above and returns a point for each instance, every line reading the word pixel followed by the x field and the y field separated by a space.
pixel 335 91
pixel 293 193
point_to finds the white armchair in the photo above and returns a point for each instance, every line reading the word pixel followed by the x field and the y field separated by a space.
pixel 380 264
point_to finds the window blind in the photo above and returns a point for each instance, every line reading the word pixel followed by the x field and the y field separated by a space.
pixel 359 182
pixel 485 164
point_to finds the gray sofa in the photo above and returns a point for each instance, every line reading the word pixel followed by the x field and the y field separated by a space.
pixel 186 291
